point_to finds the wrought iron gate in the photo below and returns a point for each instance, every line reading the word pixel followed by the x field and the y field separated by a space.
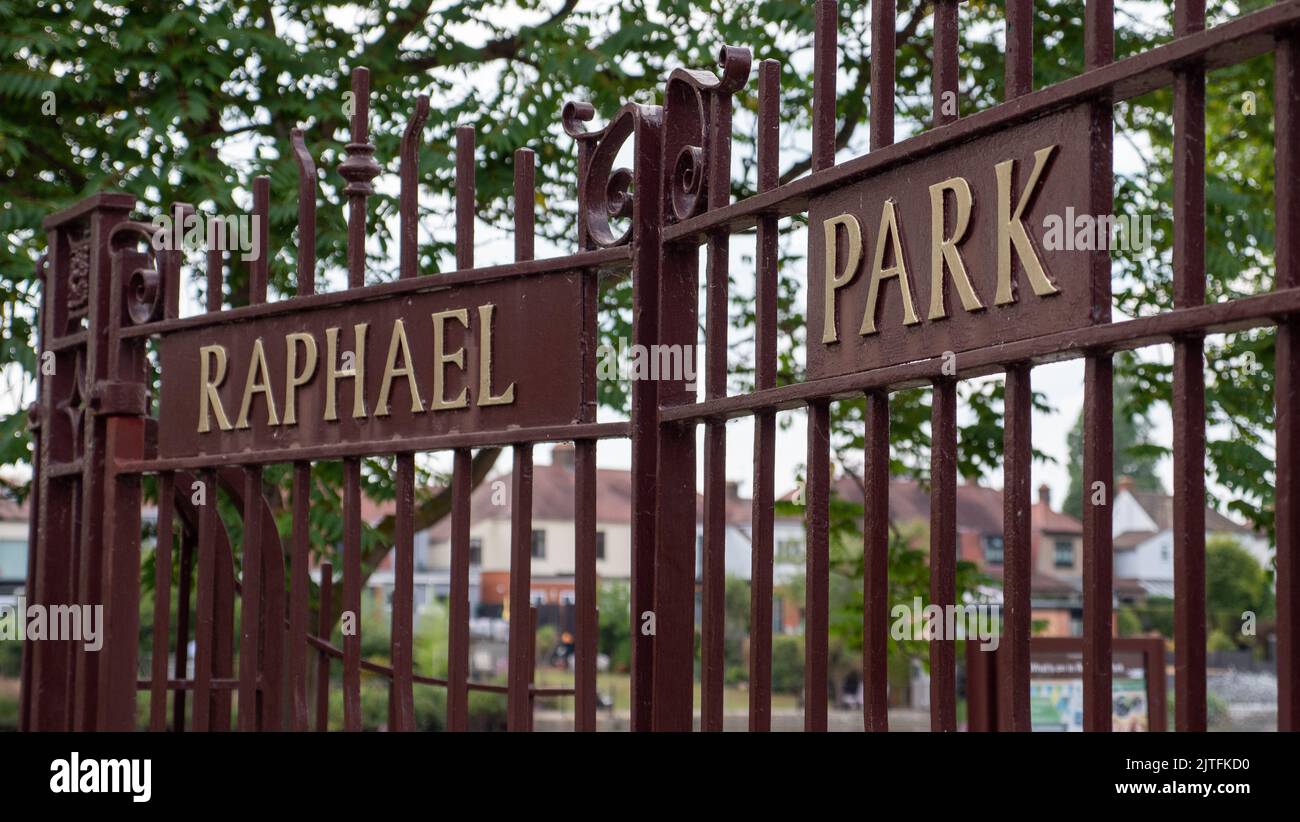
pixel 99 431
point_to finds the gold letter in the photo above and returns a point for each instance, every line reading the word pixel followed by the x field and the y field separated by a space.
pixel 208 396
pixel 945 248
pixel 357 372
pixel 258 382
pixel 485 361
pixel 292 378
pixel 440 360
pixel 391 370
pixel 1010 230
pixel 830 326
pixel 888 231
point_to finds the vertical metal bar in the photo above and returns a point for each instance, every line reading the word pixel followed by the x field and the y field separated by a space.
pixel 1019 73
pixel 1286 154
pixel 713 614
pixel 458 610
pixel 532 662
pixel 1017 454
pixel 258 268
pixel 825 67
pixel 817 514
pixel 121 587
pixel 306 214
pixel 1099 33
pixel 300 583
pixel 525 203
pixel 1012 671
pixel 713 576
pixel 223 631
pixel 521 531
pixel 251 594
pixel 409 206
pixel 1098 445
pixel 664 309
pixel 765 365
pixel 1098 562
pixel 402 696
pixel 1189 383
pixel 358 169
pixel 324 623
pixel 875 564
pixel 944 83
pixel 586 596
pixel 250 619
pixel 943 551
pixel 464 197
pixel 875 576
pixel 883 22
pixel 181 671
pixel 522 647
pixel 586 625
pixel 299 594
pixel 204 639
pixel 458 642
pixel 162 580
pixel 215 276
pixel 352 594
pixel 817 572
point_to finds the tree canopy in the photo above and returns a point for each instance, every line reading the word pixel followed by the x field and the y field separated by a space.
pixel 173 100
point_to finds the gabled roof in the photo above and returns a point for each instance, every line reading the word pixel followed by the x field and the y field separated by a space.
pixel 979 509
pixel 1160 507
pixel 553 497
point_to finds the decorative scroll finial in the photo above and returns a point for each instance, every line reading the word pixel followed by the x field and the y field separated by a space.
pixel 688 125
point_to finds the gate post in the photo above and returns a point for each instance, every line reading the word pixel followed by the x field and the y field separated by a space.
pixel 65 554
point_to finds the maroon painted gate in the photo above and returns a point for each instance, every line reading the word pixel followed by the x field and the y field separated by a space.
pixel 994 301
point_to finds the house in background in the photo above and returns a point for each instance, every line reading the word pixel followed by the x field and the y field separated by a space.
pixel 1143 529
pixel 1056 545
pixel 14 531
pixel 552 542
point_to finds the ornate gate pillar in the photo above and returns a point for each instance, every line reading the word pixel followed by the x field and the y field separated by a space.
pixel 86 405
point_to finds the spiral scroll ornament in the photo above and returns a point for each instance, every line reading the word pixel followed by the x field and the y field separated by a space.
pixel 688 123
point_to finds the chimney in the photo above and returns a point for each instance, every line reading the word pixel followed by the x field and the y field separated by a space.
pixel 1045 495
pixel 1126 484
pixel 733 489
pixel 564 454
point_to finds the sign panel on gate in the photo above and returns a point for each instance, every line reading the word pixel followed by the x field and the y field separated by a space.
pixel 476 357
pixel 947 253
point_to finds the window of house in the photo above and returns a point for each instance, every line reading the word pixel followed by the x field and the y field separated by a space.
pixel 789 551
pixel 13 560
pixel 993 550
pixel 1064 553
pixel 600 545
pixel 1164 552
pixel 568 598
pixel 537 597
pixel 539 545
pixel 475 550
